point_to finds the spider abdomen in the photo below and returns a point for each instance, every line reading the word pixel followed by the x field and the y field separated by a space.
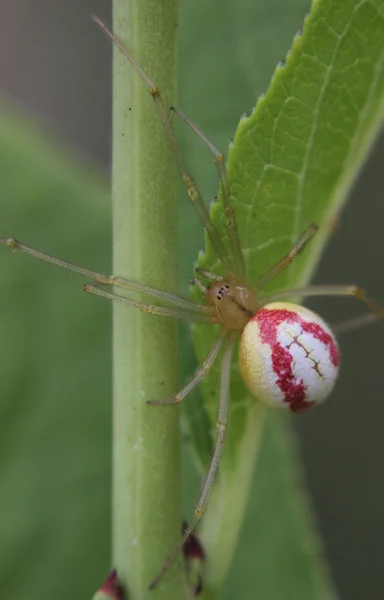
pixel 288 357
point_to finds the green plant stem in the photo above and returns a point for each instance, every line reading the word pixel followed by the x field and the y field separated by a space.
pixel 146 469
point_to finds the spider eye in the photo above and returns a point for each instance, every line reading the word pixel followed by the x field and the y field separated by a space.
pixel 288 357
pixel 221 292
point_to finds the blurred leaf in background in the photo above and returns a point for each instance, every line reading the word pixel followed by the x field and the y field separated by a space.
pixel 55 374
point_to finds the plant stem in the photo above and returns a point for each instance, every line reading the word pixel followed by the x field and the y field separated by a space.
pixel 146 469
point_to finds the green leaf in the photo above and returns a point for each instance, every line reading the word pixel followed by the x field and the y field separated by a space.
pixel 292 162
pixel 55 373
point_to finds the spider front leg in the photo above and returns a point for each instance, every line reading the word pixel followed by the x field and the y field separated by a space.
pixel 194 193
pixel 151 309
pixel 220 439
pixel 181 308
pixel 230 216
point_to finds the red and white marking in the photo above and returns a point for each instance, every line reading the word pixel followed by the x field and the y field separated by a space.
pixel 288 357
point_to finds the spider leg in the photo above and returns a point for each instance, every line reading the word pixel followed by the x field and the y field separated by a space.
pixel 286 260
pixel 193 192
pixel 230 217
pixel 329 290
pixel 121 282
pixel 377 311
pixel 220 438
pixel 164 311
pixel 356 322
pixel 198 376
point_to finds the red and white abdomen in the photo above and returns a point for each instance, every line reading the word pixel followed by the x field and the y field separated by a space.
pixel 288 357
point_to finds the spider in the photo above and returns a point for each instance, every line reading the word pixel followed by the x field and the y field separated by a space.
pixel 288 355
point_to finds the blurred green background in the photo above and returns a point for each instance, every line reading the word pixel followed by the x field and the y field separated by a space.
pixel 55 350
